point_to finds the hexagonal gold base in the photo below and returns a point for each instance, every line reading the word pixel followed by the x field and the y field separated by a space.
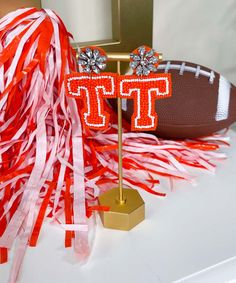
pixel 122 216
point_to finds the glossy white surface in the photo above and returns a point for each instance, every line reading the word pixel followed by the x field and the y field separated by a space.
pixel 192 229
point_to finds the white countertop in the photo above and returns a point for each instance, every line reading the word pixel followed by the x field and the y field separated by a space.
pixel 193 229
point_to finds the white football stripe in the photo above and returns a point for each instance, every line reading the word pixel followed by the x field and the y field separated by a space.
pixel 223 99
pixel 185 68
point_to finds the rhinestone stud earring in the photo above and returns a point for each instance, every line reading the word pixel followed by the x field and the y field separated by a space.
pixel 92 59
pixel 144 60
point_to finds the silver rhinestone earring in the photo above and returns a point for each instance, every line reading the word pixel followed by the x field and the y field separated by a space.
pixel 92 59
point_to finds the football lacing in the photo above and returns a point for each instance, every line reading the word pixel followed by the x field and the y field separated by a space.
pixel 184 68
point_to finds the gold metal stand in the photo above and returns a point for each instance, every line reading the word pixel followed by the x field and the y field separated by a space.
pixel 127 208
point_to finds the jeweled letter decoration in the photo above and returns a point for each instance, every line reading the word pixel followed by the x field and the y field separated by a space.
pixel 92 87
pixel 144 87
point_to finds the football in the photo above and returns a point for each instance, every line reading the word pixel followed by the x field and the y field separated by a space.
pixel 203 102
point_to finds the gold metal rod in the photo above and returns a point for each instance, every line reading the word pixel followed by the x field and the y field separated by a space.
pixel 120 171
pixel 124 57
pixel 118 56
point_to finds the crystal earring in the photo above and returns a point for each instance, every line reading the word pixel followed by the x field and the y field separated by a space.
pixel 92 59
pixel 144 60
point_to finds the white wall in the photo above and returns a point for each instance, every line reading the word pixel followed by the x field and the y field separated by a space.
pixel 87 20
pixel 201 31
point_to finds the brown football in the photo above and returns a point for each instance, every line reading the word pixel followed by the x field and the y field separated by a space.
pixel 202 102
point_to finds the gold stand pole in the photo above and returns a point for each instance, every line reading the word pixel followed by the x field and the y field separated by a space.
pixel 127 208
pixel 120 166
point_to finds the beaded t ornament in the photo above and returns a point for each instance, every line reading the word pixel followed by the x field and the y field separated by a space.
pixel 144 87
